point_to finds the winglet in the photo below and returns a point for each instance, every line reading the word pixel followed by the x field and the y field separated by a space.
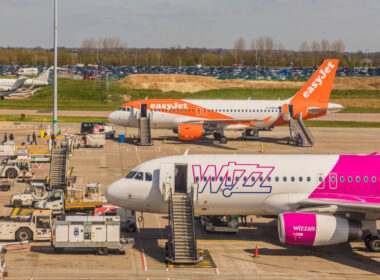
pixel 373 154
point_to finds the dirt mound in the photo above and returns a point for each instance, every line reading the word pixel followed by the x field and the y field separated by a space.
pixel 189 83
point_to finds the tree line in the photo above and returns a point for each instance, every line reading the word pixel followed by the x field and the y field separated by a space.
pixel 263 51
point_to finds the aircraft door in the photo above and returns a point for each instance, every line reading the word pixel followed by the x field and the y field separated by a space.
pixel 180 185
pixel 291 110
pixel 198 111
pixel 333 184
pixel 143 109
pixel 166 179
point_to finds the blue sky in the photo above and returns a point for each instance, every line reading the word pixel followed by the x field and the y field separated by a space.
pixel 193 23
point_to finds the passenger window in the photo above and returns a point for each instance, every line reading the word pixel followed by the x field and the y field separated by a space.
pixel 229 179
pixel 308 179
pixel 373 179
pixel 269 179
pixel 365 179
pixel 220 178
pixel 253 178
pixel 332 179
pixel 292 179
pixel 284 178
pixel 300 179
pixel 213 179
pixel 197 179
pixel 341 179
pixel 276 179
pixel 139 176
pixel 245 179
pixel 236 178
pixel 204 179
pixel 148 176
pixel 320 178
pixel 357 179
pixel 261 178
pixel 349 179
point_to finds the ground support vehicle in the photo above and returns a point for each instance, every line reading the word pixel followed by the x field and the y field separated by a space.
pixel 90 232
pixel 33 192
pixel 9 168
pixel 220 223
pixel 75 200
pixel 34 227
pixel 127 217
pixel 106 129
pixel 94 140
pixel 6 184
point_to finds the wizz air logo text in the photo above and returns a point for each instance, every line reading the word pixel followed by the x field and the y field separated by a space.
pixel 233 178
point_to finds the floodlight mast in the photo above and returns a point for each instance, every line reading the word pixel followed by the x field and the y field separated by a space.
pixel 55 109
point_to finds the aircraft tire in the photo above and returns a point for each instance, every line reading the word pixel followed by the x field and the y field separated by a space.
pixel 223 140
pixel 373 244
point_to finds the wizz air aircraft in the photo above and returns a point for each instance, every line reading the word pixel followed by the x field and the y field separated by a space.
pixel 193 119
pixel 318 199
pixel 10 85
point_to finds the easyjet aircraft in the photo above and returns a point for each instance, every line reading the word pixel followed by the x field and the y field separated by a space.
pixel 193 119
pixel 318 199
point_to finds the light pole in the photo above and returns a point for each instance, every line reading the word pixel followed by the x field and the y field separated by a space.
pixel 55 110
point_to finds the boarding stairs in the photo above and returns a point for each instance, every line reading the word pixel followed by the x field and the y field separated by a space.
pixel 182 244
pixel 145 136
pixel 59 165
pixel 299 133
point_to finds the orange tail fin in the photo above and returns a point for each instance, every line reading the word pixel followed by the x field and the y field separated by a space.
pixel 318 88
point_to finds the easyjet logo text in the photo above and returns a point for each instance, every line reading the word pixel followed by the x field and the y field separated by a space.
pixel 175 105
pixel 319 79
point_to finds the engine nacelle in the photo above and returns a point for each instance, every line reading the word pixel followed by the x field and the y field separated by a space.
pixel 190 131
pixel 316 229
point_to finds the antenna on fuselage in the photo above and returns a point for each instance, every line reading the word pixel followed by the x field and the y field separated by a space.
pixel 186 152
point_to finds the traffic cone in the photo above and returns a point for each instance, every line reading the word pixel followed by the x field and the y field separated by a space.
pixel 262 148
pixel 256 255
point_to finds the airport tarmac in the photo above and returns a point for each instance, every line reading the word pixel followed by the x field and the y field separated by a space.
pixel 231 254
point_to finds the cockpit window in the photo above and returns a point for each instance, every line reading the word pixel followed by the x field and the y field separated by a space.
pixel 128 109
pixel 148 176
pixel 120 109
pixel 131 174
pixel 139 176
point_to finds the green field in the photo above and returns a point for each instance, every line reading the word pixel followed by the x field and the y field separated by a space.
pixel 85 95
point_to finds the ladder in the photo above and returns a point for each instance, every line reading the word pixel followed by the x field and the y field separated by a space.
pixel 299 133
pixel 144 131
pixel 182 244
pixel 58 168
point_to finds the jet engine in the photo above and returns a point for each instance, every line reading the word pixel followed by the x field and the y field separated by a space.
pixel 316 229
pixel 190 131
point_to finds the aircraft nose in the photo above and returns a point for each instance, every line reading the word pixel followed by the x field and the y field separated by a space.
pixel 114 192
pixel 113 117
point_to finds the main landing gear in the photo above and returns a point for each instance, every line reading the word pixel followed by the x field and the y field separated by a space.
pixel 221 138
pixel 372 243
